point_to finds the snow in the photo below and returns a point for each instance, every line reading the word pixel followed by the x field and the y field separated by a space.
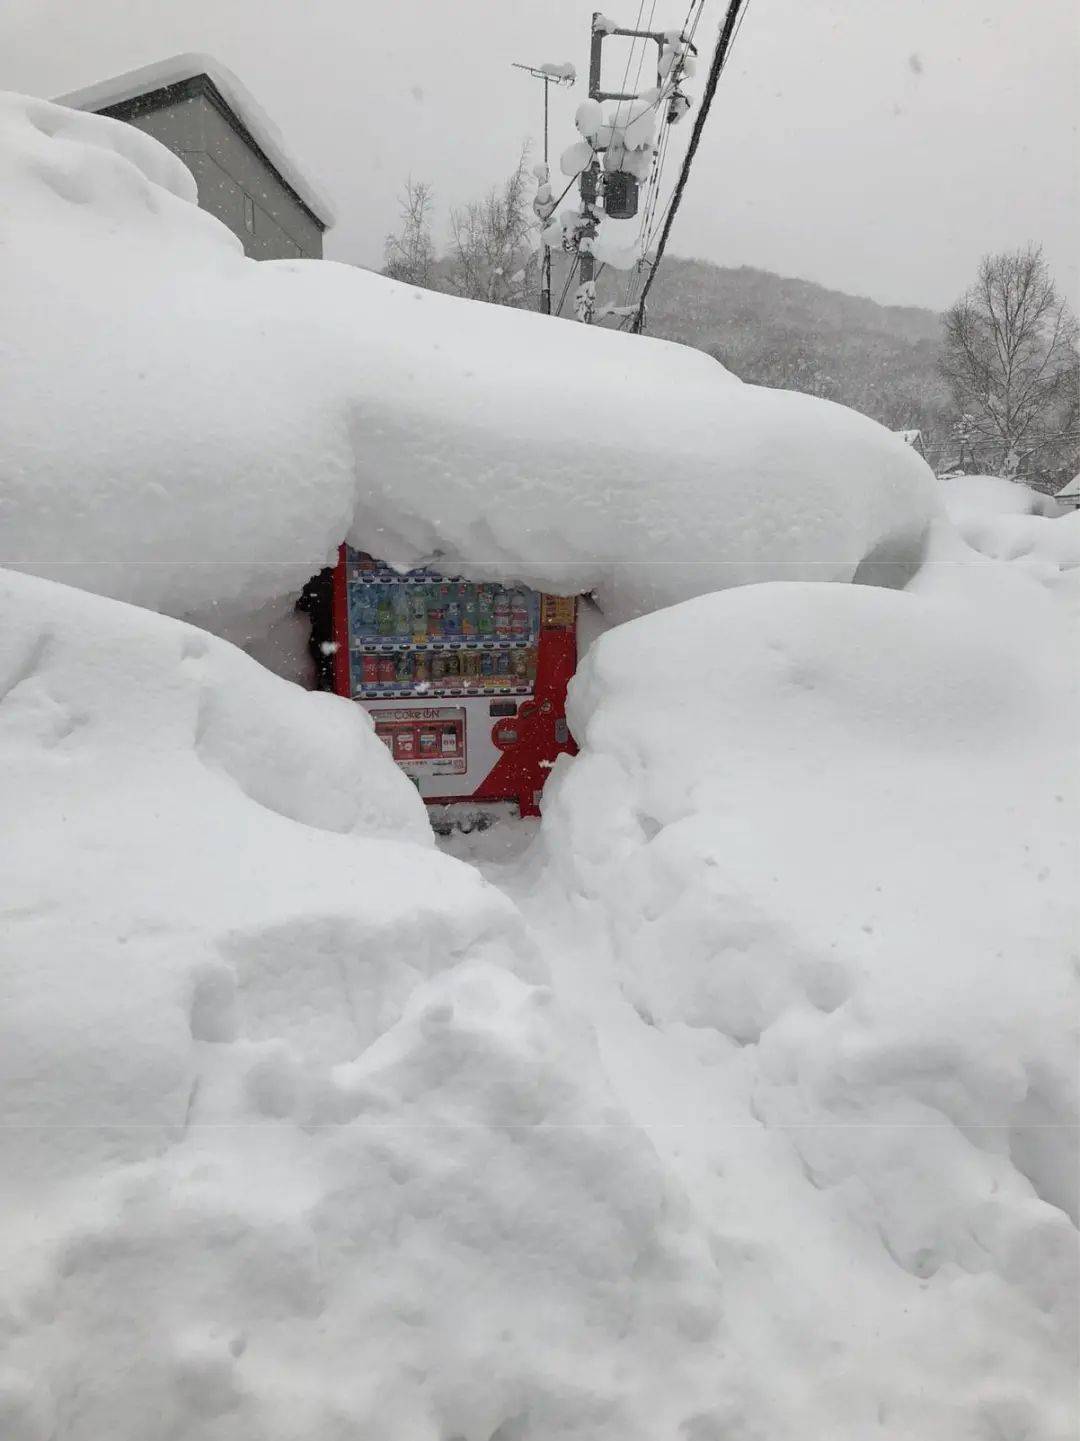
pixel 970 495
pixel 563 70
pixel 588 117
pixel 825 838
pixel 176 68
pixel 575 158
pixel 297 1141
pixel 735 1099
pixel 1008 521
pixel 326 401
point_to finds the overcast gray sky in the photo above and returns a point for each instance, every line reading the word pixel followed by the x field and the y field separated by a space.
pixel 878 146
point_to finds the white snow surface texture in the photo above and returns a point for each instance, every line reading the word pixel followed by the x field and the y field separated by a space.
pixel 836 881
pixel 196 432
pixel 742 1109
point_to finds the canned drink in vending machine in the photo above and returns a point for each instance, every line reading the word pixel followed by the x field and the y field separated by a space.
pixel 502 615
pixel 387 670
pixel 369 669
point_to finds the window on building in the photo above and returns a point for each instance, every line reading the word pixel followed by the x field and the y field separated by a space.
pixel 249 214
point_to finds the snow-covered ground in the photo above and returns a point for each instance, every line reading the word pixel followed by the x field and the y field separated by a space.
pixel 736 1099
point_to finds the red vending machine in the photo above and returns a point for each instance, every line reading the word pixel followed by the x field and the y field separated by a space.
pixel 465 681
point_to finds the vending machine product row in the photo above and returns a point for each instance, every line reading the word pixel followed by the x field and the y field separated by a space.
pixel 465 680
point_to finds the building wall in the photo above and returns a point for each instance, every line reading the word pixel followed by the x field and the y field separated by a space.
pixel 235 184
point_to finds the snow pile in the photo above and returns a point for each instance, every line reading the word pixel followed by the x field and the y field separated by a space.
pixel 969 495
pixel 296 1141
pixel 197 432
pixel 1007 521
pixel 827 836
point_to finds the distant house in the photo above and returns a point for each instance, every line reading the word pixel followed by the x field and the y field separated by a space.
pixel 201 112
pixel 1070 494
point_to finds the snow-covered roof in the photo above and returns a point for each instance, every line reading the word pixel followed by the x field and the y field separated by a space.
pixel 1073 487
pixel 253 118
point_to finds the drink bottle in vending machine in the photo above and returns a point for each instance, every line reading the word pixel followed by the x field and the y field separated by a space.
pixel 465 680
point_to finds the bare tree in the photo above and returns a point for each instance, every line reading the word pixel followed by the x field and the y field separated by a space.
pixel 410 255
pixel 491 255
pixel 1010 360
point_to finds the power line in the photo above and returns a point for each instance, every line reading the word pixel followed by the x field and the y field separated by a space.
pixel 653 187
pixel 720 54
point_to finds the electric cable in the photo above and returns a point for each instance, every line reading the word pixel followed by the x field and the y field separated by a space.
pixel 720 54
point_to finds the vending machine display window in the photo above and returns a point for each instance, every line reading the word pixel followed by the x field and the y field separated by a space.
pixel 407 643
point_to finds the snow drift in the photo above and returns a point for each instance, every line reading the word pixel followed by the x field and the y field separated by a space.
pixel 827 836
pixel 196 432
pixel 297 1140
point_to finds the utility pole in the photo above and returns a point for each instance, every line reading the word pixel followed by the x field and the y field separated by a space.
pixel 550 75
pixel 590 176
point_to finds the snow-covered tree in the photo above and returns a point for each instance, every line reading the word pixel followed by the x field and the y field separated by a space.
pixel 492 252
pixel 492 245
pixel 410 255
pixel 1010 359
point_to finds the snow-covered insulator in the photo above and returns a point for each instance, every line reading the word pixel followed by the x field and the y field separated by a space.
pixel 638 163
pixel 552 235
pixel 678 105
pixel 540 171
pixel 632 121
pixel 575 158
pixel 668 56
pixel 615 156
pixel 620 195
pixel 588 118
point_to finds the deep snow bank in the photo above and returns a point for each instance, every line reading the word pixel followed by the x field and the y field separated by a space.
pixel 1008 521
pixel 829 837
pixel 296 1141
pixel 196 432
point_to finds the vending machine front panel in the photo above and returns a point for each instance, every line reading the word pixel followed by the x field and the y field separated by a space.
pixel 465 680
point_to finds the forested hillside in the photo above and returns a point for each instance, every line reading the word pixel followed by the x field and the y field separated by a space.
pixel 778 331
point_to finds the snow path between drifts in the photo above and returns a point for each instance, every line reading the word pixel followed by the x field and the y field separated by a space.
pixel 787 1371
